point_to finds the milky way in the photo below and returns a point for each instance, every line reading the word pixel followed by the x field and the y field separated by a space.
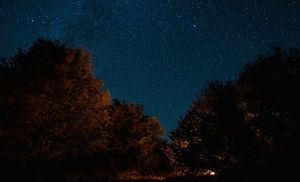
pixel 159 53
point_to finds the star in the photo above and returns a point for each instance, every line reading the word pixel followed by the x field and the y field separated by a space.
pixel 155 53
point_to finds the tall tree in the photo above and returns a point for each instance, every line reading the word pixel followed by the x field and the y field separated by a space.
pixel 212 135
pixel 136 138
pixel 269 96
pixel 52 105
pixel 250 125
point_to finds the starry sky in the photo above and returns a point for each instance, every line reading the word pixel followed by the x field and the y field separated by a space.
pixel 159 53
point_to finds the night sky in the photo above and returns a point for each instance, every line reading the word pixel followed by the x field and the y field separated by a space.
pixel 159 53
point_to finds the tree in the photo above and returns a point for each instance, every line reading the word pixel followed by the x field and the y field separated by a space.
pixel 52 105
pixel 248 126
pixel 136 139
pixel 212 135
pixel 269 96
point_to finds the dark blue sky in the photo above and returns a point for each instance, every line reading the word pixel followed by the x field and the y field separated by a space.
pixel 159 53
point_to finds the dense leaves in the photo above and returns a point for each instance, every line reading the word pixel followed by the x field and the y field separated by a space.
pixel 269 96
pixel 212 135
pixel 53 103
pixel 136 139
pixel 57 121
pixel 53 110
pixel 251 124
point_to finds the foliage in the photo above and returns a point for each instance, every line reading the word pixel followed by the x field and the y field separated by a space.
pixel 251 124
pixel 52 105
pixel 136 139
pixel 212 135
pixel 53 111
pixel 269 96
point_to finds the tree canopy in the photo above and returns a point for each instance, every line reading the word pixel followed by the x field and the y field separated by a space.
pixel 53 102
pixel 136 138
pixel 250 124
pixel 56 117
pixel 53 109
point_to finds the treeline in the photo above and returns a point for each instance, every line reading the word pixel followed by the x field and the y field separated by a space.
pixel 56 122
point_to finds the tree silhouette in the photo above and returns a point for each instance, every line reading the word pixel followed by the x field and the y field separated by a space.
pixel 52 107
pixel 136 138
pixel 56 118
pixel 269 94
pixel 249 127
pixel 53 111
pixel 212 135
